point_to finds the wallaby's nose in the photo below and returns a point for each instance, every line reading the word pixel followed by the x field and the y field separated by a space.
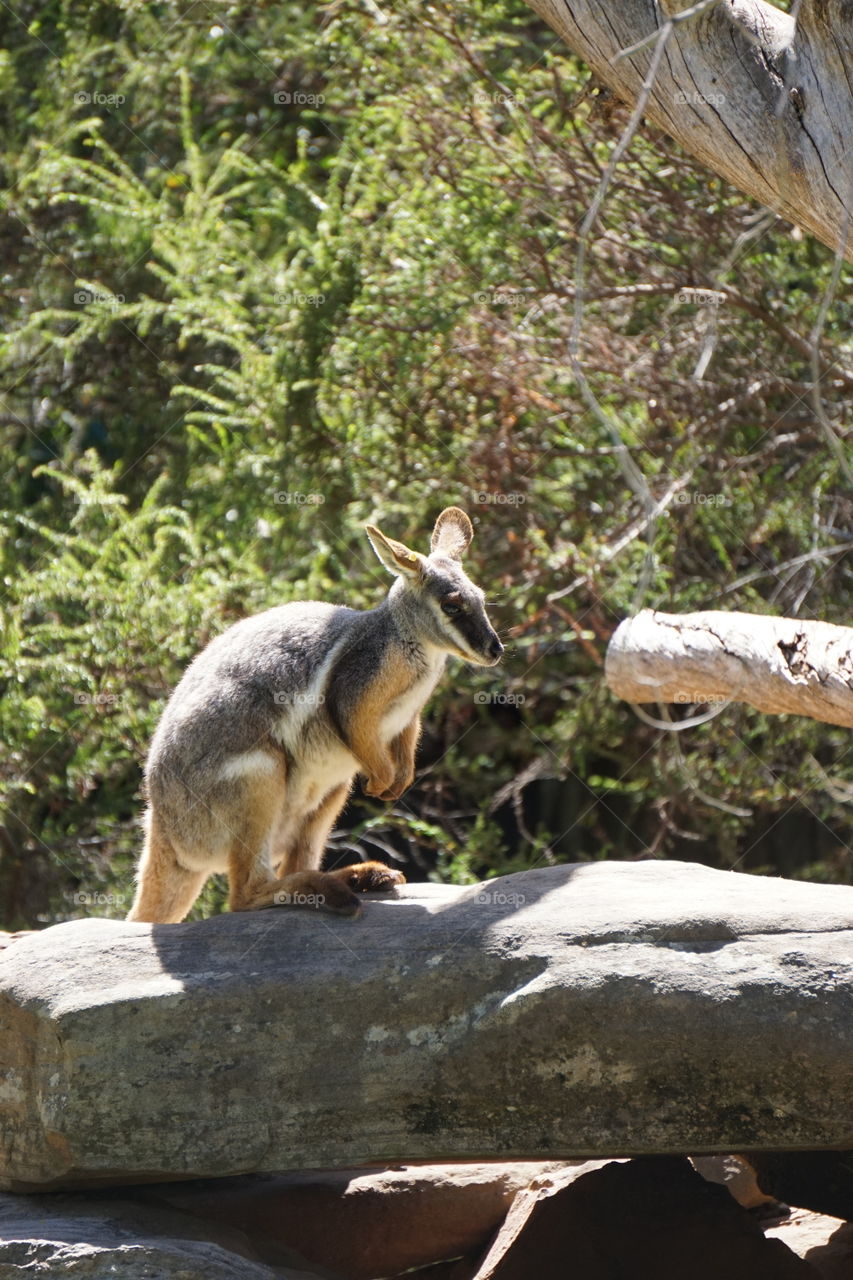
pixel 495 649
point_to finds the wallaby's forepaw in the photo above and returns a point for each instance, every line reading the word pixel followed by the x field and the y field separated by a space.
pixel 397 788
pixel 369 877
pixel 378 787
pixel 388 790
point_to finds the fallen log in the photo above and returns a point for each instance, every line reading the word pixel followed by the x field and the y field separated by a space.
pixel 784 666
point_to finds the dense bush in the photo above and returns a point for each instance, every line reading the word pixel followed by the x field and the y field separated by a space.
pixel 271 273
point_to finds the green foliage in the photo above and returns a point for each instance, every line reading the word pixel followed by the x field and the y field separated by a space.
pixel 270 273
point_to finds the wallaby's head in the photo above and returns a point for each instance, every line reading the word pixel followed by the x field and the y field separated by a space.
pixel 437 594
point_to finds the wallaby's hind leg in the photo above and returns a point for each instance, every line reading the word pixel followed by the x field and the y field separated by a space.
pixel 299 881
pixel 306 851
pixel 321 890
pixel 366 877
pixel 252 881
pixel 165 890
pixel 310 844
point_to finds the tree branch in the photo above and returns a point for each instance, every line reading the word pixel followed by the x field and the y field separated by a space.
pixel 761 98
pixel 779 665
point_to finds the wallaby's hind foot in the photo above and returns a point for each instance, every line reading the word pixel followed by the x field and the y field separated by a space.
pixel 367 877
pixel 320 890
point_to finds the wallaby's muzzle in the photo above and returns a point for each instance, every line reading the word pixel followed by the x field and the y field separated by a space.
pixel 496 651
pixel 488 646
pixel 476 639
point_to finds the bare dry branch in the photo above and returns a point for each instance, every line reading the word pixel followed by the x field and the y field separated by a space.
pixel 779 665
pixel 760 96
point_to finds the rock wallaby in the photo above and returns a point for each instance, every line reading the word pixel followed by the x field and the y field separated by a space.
pixel 259 744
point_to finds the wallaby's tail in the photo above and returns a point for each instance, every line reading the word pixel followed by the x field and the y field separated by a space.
pixel 165 890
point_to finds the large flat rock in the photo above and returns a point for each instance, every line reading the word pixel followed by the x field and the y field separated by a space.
pixel 95 1238
pixel 573 1012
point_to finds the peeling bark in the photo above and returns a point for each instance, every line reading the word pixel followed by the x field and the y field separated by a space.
pixel 779 665
pixel 762 100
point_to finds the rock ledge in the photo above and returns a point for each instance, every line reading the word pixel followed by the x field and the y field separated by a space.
pixel 572 1012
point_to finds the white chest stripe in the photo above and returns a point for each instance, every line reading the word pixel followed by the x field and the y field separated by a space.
pixel 404 709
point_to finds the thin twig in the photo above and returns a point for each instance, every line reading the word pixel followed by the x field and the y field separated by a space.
pixel 639 526
pixel 814 339
pixel 632 473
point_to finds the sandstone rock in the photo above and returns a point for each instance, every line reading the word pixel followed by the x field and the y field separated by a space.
pixel 574 1011
pixel 651 1219
pixel 93 1238
pixel 827 1243
pixel 462 1269
pixel 363 1224
pixel 738 1177
pixel 6 939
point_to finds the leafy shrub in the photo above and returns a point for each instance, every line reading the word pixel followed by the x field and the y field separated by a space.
pixel 316 268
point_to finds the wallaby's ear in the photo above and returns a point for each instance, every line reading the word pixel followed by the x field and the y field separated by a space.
pixel 396 557
pixel 452 533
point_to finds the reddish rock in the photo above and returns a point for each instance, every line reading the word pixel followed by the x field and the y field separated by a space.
pixel 364 1223
pixel 738 1177
pixel 827 1243
pixel 461 1269
pixel 653 1218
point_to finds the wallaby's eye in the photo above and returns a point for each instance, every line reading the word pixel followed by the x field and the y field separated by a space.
pixel 451 610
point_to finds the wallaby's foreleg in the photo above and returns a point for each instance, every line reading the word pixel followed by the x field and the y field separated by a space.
pixel 403 750
pixel 380 765
pixel 165 890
